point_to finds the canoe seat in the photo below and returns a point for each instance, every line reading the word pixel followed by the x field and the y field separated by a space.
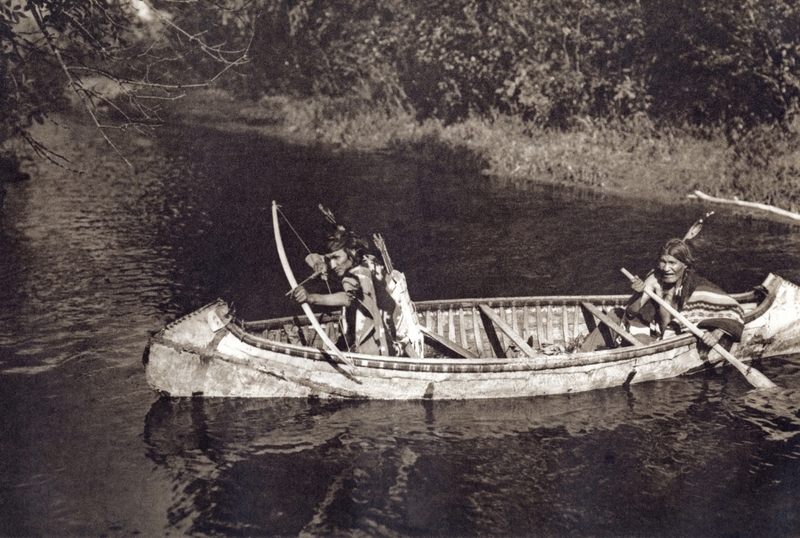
pixel 520 342
pixel 449 344
pixel 591 311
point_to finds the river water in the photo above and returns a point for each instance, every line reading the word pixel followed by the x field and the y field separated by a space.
pixel 92 263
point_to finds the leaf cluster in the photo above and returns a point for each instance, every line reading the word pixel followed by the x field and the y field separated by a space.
pixel 705 64
pixel 120 59
pixel 702 63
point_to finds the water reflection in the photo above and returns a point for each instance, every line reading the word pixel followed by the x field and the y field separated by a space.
pixel 777 411
pixel 465 467
pixel 90 264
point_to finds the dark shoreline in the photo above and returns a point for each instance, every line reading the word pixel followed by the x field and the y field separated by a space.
pixel 439 148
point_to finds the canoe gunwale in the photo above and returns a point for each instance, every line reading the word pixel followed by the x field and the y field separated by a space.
pixel 538 363
pixel 502 302
pixel 768 291
pixel 466 365
pixel 443 365
pixel 486 364
pixel 199 355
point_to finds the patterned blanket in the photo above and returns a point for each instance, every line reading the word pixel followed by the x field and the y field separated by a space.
pixel 709 307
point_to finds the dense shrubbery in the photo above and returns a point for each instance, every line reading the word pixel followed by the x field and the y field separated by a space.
pixel 703 63
pixel 699 63
pixel 682 93
pixel 627 72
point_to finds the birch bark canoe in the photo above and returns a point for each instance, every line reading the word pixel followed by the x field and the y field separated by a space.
pixel 210 353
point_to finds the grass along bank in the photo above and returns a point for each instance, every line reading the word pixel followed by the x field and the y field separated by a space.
pixel 635 158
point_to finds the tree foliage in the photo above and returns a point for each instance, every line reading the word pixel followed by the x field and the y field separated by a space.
pixel 731 63
pixel 121 57
pixel 703 63
pixel 698 62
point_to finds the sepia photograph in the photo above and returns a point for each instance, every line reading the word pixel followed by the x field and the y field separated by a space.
pixel 400 268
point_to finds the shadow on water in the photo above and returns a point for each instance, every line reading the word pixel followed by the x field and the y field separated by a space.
pixel 454 235
pixel 91 264
pixel 660 459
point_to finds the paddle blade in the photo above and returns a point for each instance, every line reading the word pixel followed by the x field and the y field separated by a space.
pixel 759 380
pixel 696 227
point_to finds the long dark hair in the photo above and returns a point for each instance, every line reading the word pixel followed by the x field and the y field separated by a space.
pixel 354 245
pixel 678 249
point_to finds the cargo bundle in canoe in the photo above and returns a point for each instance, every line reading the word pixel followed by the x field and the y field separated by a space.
pixel 474 348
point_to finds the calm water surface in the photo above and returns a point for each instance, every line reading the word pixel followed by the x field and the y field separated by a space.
pixel 90 264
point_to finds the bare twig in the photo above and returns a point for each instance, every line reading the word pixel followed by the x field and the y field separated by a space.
pixel 46 153
pixel 74 84
pixel 157 57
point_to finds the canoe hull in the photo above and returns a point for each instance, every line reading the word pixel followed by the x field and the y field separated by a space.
pixel 182 373
pixel 199 355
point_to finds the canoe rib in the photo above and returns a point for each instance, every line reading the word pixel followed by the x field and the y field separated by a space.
pixel 452 346
pixel 268 359
pixel 507 330
pixel 608 322
pixel 491 335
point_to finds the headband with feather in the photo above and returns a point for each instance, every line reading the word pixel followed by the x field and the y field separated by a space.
pixel 342 237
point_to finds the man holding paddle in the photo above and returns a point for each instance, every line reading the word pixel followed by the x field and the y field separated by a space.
pixel 682 300
pixel 675 281
pixel 700 301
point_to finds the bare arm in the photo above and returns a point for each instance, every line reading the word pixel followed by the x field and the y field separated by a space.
pixel 639 285
pixel 339 298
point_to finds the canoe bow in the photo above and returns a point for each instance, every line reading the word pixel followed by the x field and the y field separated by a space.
pixel 331 347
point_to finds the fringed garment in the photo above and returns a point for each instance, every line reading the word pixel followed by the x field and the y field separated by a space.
pixel 370 320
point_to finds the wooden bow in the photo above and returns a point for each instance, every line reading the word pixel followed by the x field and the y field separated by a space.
pixel 331 347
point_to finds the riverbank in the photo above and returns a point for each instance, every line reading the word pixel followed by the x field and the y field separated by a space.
pixel 635 159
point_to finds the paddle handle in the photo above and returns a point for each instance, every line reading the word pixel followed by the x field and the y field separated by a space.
pixel 755 377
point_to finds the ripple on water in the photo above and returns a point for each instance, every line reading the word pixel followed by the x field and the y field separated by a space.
pixel 90 263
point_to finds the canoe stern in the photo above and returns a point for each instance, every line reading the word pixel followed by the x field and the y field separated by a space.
pixel 777 330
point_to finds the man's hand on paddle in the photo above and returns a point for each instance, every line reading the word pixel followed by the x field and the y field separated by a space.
pixel 711 338
pixel 651 283
pixel 637 284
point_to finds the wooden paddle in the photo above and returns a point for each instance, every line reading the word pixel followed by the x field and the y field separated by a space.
pixel 756 378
